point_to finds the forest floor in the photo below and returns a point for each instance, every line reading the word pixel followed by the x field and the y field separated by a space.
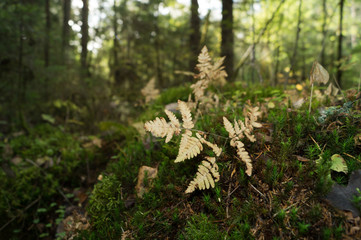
pixel 306 166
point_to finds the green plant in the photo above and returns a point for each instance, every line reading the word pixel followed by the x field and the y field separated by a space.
pixel 105 203
pixel 199 227
pixel 303 227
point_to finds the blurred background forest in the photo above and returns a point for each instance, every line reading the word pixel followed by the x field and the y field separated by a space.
pixel 81 61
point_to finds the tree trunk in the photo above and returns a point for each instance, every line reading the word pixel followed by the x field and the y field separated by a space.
pixel 195 35
pixel 115 43
pixel 275 75
pixel 339 50
pixel 84 37
pixel 324 32
pixel 264 29
pixel 65 31
pixel 295 48
pixel 354 26
pixel 47 44
pixel 227 36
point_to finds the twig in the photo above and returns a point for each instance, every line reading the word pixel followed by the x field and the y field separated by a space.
pixel 258 191
pixel 351 156
pixel 228 195
pixel 338 86
pixel 319 148
pixel 25 209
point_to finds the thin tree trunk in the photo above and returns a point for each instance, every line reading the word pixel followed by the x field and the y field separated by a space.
pixel 65 31
pixel 21 84
pixel 253 29
pixel 205 29
pixel 115 42
pixel 295 49
pixel 275 76
pixel 195 35
pixel 339 50
pixel 249 49
pixel 47 44
pixel 324 32
pixel 84 37
pixel 227 37
pixel 353 28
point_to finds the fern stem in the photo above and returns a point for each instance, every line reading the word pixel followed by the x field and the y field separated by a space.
pixel 208 133
pixel 309 109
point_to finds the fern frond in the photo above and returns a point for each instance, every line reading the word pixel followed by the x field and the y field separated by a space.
pixel 199 88
pixel 189 148
pixel 159 127
pixel 228 125
pixel 243 154
pixel 243 129
pixel 214 147
pixel 204 63
pixel 149 91
pixel 206 176
pixel 186 115
pixel 173 119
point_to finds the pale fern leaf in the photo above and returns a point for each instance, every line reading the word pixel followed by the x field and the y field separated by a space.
pixel 243 154
pixel 158 127
pixel 189 148
pixel 174 120
pixel 214 147
pixel 229 127
pixel 204 63
pixel 149 91
pixel 206 176
pixel 186 115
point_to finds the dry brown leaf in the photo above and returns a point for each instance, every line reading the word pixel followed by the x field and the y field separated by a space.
pixel 319 74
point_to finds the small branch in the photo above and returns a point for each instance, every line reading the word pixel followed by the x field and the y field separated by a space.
pixel 309 108
pixel 318 146
pixel 25 209
pixel 258 191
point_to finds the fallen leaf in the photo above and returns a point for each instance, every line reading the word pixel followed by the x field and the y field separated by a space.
pixel 338 164
pixel 341 197
pixel 319 74
pixel 271 105
pixel 302 159
pixel 150 173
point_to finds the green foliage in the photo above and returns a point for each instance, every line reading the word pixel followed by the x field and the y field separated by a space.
pixel 200 227
pixel 105 204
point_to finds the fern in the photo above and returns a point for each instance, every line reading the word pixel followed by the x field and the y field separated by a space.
pixel 189 146
pixel 243 129
pixel 149 91
pixel 208 74
pixel 206 176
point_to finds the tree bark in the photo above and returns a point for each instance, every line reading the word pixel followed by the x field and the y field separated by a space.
pixel 84 37
pixel 227 37
pixel 47 44
pixel 353 27
pixel 65 31
pixel 115 42
pixel 339 50
pixel 324 32
pixel 195 35
pixel 277 54
pixel 295 48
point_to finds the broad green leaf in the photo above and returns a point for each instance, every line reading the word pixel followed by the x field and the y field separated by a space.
pixel 48 118
pixel 338 163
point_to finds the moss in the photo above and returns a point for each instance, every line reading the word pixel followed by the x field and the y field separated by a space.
pixel 105 204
